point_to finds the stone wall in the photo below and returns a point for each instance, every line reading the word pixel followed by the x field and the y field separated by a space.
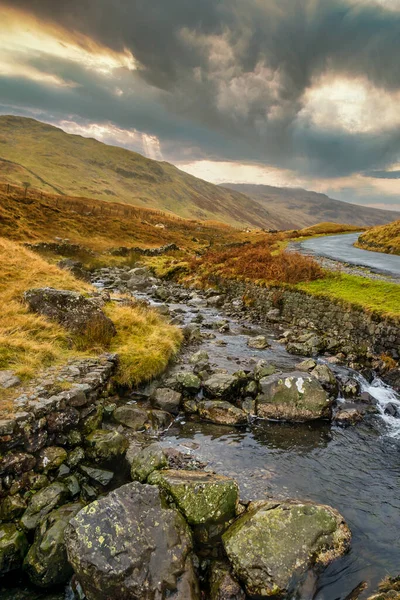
pixel 49 420
pixel 355 329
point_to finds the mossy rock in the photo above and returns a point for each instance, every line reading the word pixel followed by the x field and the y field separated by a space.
pixel 389 589
pixel 12 507
pixel 203 498
pixel 51 458
pixel 13 547
pixel 103 445
pixel 146 461
pixel 46 562
pixel 273 544
pixel 295 397
pixel 222 584
pixel 44 502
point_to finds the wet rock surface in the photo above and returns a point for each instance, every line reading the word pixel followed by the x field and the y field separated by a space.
pixel 128 545
pixel 274 542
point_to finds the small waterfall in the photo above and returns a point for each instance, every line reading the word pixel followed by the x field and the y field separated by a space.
pixel 386 400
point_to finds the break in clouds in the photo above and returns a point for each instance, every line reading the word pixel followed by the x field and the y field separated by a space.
pixel 312 86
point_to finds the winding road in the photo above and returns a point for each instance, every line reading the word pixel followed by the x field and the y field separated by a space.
pixel 340 248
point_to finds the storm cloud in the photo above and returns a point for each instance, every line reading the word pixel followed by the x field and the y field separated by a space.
pixel 229 79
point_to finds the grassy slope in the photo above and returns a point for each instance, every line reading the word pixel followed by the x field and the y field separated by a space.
pixel 99 226
pixel 57 162
pixel 372 295
pixel 385 238
pixel 29 342
pixel 302 208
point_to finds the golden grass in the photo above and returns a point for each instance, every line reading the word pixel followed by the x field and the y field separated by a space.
pixel 29 342
pixel 99 225
pixel 385 238
pixel 259 263
pixel 144 341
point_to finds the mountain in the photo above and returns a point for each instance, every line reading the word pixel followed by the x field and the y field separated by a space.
pixel 299 208
pixel 51 160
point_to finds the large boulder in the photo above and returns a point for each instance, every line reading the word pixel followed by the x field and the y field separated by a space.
pixel 13 547
pixel 273 544
pixel 72 310
pixel 294 397
pixel 129 545
pixel 46 562
pixel 202 498
pixel 103 445
pixel 221 412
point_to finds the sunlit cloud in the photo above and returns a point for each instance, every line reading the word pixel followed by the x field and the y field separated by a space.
pixel 352 105
pixel 24 39
pixel 149 145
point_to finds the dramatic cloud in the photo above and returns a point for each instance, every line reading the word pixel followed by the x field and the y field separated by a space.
pixel 310 88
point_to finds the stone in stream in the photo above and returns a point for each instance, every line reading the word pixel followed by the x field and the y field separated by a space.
pixel 13 547
pixel 203 498
pixel 72 310
pixel 167 399
pixel 129 545
pixel 293 397
pixel 146 461
pixel 326 378
pixel 100 476
pixel 308 344
pixel 348 416
pixel 263 369
pixel 46 562
pixel 259 342
pixel 42 503
pixel 221 385
pixel 388 589
pixel 223 586
pixel 350 387
pixel 188 382
pixel 273 544
pixel 392 378
pixel 306 365
pixel 104 445
pixel 221 412
pixel 131 416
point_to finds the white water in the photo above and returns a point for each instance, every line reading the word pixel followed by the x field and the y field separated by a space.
pixel 384 395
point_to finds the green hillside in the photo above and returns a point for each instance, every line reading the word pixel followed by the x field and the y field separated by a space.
pixel 50 159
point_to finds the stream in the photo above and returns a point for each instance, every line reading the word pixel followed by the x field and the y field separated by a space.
pixel 356 469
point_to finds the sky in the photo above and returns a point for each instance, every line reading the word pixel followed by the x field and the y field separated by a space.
pixel 297 93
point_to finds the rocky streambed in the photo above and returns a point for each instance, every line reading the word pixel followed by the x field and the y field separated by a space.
pixel 249 467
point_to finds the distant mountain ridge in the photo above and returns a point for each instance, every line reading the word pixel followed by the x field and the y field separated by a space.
pixel 299 208
pixel 49 159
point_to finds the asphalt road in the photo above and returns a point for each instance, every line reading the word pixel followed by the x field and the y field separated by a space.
pixel 340 248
